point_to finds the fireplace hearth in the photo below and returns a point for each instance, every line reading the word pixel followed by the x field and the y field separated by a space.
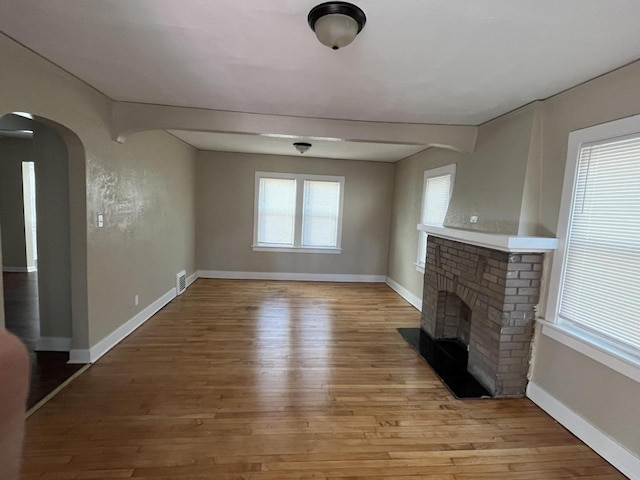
pixel 448 359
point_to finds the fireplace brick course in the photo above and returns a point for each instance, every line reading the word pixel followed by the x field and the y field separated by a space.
pixel 501 289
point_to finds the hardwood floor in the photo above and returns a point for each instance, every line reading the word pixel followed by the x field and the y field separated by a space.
pixel 48 369
pixel 281 380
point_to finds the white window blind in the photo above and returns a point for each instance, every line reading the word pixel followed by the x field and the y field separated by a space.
pixel 600 288
pixel 435 202
pixel 300 213
pixel 320 214
pixel 277 210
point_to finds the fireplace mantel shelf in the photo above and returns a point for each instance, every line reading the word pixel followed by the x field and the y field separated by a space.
pixel 496 241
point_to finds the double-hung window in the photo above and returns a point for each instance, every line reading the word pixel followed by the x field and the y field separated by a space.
pixel 298 213
pixel 595 284
pixel 436 193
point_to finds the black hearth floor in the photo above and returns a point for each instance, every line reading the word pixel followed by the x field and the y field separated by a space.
pixel 449 361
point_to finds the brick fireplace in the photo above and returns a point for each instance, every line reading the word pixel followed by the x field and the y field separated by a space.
pixel 484 298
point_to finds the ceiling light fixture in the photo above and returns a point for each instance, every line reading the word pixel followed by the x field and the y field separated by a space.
pixel 302 146
pixel 336 23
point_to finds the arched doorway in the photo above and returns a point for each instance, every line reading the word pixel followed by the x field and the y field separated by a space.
pixel 60 186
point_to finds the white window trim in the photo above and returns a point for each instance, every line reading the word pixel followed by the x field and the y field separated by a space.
pixel 297 242
pixel 586 342
pixel 434 172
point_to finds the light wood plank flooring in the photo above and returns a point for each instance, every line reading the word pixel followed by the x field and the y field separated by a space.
pixel 281 380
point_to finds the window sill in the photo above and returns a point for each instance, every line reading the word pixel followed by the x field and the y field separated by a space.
pixel 594 348
pixel 263 248
pixel 419 267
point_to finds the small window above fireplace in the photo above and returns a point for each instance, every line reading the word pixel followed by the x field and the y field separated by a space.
pixel 436 193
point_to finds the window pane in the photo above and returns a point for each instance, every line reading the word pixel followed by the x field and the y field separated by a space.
pixel 276 211
pixel 320 214
pixel 436 200
pixel 601 286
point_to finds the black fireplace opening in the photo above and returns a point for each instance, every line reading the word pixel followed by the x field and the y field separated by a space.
pixel 448 358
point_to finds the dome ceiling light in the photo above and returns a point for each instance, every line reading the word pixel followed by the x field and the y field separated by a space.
pixel 336 23
pixel 302 146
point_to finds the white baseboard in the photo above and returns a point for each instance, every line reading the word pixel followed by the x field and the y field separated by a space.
pixel 192 278
pixel 18 269
pixel 53 344
pixel 304 277
pixel 80 356
pixel 604 445
pixel 115 337
pixel 404 293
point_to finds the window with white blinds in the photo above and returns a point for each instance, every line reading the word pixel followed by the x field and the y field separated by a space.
pixel 295 212
pixel 438 185
pixel 277 207
pixel 320 214
pixel 600 287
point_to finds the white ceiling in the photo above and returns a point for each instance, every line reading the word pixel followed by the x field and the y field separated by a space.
pixel 321 148
pixel 416 61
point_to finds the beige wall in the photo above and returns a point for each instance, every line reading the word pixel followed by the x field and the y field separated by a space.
pixel 606 98
pixel 530 222
pixel 607 399
pixel 225 199
pixel 143 187
pixel 53 232
pixel 597 393
pixel 490 181
pixel 147 197
pixel 13 152
pixel 407 206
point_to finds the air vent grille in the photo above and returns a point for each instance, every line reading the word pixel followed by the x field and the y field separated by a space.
pixel 181 282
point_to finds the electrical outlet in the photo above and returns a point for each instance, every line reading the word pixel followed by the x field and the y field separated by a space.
pixel 136 300
pixel 473 219
pixel 100 220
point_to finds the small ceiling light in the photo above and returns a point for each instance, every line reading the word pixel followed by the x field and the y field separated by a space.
pixel 336 23
pixel 302 146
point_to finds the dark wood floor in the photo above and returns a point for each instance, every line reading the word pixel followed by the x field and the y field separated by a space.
pixel 48 369
pixel 282 380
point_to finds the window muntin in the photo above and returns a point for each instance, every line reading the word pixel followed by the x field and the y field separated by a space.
pixel 298 212
pixel 437 189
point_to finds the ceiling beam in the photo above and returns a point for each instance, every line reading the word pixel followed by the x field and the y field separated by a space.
pixel 129 118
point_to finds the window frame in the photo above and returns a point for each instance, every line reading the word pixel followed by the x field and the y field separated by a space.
pixel 623 359
pixel 432 173
pixel 299 210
